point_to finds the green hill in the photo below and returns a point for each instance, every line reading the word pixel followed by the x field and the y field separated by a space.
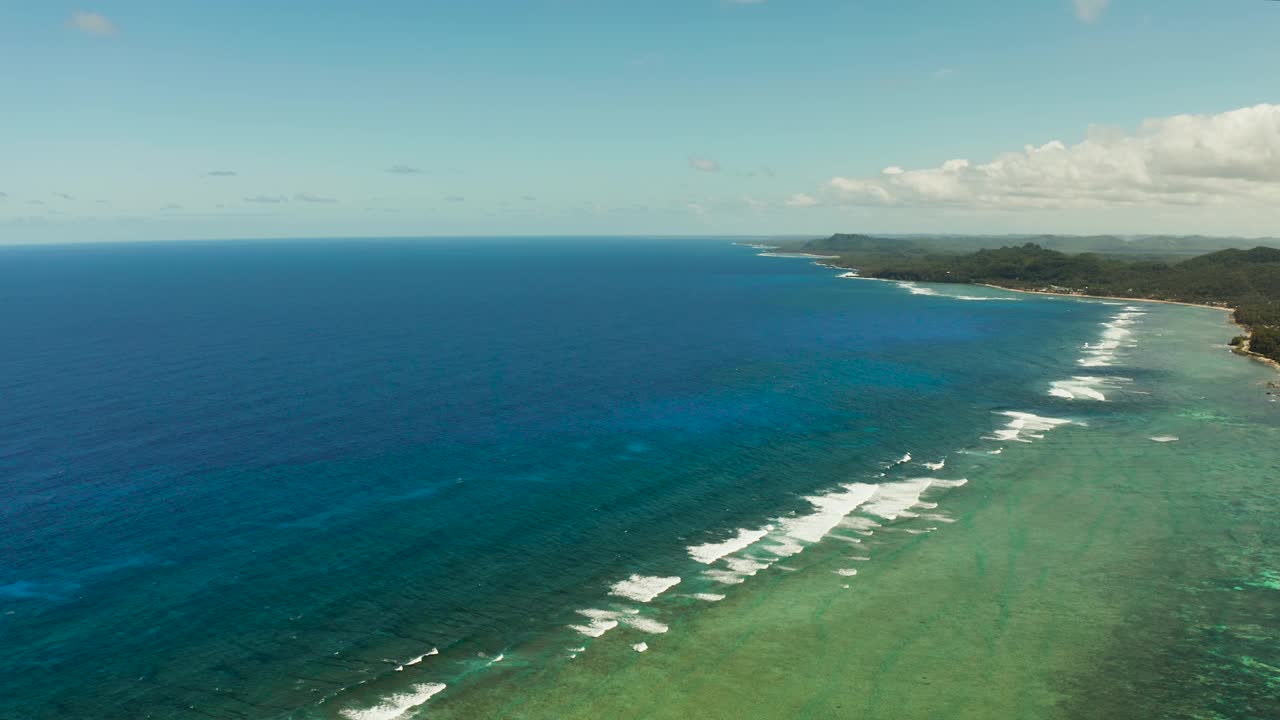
pixel 1248 280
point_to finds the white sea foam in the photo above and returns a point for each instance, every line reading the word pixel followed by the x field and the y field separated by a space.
pixel 797 255
pixel 785 537
pixel 646 625
pixel 1023 427
pixel 745 565
pixel 1165 438
pixel 790 535
pixel 784 546
pixel 710 552
pixel 860 525
pixel 1115 334
pixel 847 572
pixel 420 658
pixel 602 621
pixel 640 647
pixel 396 705
pixel 850 275
pixel 915 289
pixel 830 509
pixel 892 500
pixel 643 588
pixel 895 500
pixel 708 597
pixel 1080 386
pixel 724 577
pixel 938 465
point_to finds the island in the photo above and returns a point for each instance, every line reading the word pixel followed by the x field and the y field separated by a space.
pixel 1246 282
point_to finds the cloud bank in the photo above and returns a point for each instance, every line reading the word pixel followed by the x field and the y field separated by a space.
pixel 313 198
pixel 704 164
pixel 92 23
pixel 1090 10
pixel 1229 159
pixel 801 200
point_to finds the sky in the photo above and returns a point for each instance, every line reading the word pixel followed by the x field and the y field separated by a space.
pixel 175 119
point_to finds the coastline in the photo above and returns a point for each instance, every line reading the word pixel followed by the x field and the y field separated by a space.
pixel 1246 332
pixel 1003 570
pixel 1012 578
pixel 1242 351
pixel 1105 297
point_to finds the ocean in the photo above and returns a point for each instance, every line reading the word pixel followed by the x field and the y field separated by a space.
pixel 607 478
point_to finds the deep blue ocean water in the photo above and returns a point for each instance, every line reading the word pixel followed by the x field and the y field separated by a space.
pixel 238 479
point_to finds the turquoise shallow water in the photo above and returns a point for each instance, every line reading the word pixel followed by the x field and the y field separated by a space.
pixel 324 479
pixel 1118 564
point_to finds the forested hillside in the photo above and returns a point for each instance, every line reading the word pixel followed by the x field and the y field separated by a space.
pixel 1248 280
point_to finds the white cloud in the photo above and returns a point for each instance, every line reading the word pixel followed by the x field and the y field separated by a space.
pixel 1090 10
pixel 801 200
pixel 92 23
pixel 703 164
pixel 647 60
pixel 1186 160
pixel 317 199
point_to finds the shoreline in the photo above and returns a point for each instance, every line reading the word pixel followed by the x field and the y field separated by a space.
pixel 1013 585
pixel 1106 297
pixel 1242 350
pixel 987 588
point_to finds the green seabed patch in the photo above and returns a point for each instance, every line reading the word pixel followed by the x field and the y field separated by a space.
pixel 1269 579
pixel 975 620
pixel 1092 574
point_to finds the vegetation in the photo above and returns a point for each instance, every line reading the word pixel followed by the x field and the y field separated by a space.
pixel 1147 247
pixel 1248 280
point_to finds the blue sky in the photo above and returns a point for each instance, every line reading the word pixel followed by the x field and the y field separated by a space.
pixel 133 119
